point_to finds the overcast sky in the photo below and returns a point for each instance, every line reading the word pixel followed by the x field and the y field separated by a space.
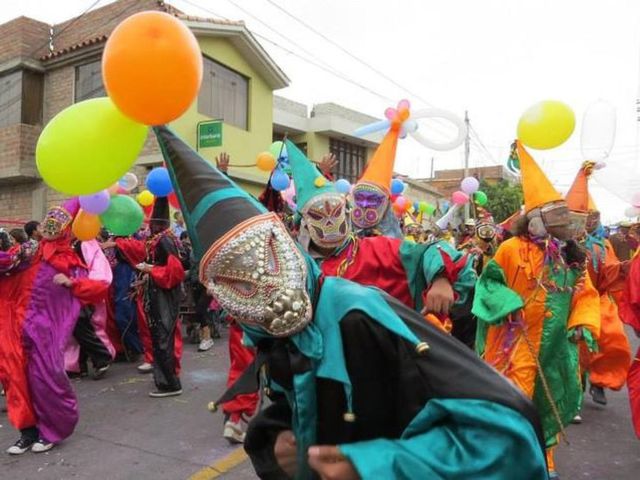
pixel 493 58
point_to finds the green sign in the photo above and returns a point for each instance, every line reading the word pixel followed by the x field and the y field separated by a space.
pixel 210 134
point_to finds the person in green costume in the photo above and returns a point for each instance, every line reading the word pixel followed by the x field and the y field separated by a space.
pixel 361 386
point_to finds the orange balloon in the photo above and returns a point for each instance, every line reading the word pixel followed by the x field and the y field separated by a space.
pixel 266 162
pixel 86 226
pixel 152 67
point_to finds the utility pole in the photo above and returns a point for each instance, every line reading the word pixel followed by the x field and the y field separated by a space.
pixel 467 146
pixel 431 174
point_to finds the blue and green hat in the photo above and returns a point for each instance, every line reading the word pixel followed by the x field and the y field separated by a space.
pixel 308 180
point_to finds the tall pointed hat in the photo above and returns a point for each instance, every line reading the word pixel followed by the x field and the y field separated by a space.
pixel 379 170
pixel 211 203
pixel 592 205
pixel 160 212
pixel 307 178
pixel 537 188
pixel 578 195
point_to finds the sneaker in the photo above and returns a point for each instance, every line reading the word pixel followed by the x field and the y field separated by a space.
pixel 21 446
pixel 234 432
pixel 98 373
pixel 41 446
pixel 205 345
pixel 554 476
pixel 145 368
pixel 577 420
pixel 597 394
pixel 165 393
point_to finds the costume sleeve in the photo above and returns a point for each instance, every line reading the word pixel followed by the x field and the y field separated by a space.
pixel 585 308
pixel 611 276
pixel 630 305
pixel 89 291
pixel 454 431
pixel 454 438
pixel 171 274
pixel 441 259
pixel 493 299
pixel 133 250
pixel 261 438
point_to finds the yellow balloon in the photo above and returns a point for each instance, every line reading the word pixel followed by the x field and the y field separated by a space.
pixel 546 124
pixel 145 198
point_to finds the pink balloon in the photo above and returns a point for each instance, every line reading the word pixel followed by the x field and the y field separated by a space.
pixel 470 185
pixel 459 198
pixel 404 103
pixel 390 113
pixel 400 202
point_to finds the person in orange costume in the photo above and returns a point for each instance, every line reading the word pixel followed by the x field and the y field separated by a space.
pixel 608 367
pixel 534 302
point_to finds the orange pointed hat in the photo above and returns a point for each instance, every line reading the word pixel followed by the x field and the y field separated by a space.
pixel 578 195
pixel 537 188
pixel 592 205
pixel 379 170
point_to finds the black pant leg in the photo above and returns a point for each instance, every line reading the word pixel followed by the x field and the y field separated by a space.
pixel 85 334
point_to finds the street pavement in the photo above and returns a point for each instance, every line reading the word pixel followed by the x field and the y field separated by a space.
pixel 123 434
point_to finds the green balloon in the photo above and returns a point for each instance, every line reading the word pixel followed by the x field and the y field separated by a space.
pixel 88 147
pixel 431 209
pixel 480 198
pixel 277 149
pixel 123 217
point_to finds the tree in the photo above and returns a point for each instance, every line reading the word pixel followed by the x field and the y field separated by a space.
pixel 504 198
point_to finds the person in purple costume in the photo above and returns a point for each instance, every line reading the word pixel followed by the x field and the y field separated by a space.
pixel 41 294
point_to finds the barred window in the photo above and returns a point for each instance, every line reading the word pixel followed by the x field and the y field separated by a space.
pixel 351 159
pixel 21 95
pixel 224 94
pixel 89 81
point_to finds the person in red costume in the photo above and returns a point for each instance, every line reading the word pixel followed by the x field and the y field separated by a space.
pixel 163 273
pixel 428 277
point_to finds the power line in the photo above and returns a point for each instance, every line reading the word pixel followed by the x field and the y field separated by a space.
pixel 295 54
pixel 347 52
pixel 66 27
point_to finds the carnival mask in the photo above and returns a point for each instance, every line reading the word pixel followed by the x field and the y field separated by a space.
pixel 370 204
pixel 486 231
pixel 55 223
pixel 258 275
pixel 593 221
pixel 578 224
pixel 552 218
pixel 326 220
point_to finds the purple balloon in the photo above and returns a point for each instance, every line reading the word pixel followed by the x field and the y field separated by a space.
pixel 95 203
pixel 470 185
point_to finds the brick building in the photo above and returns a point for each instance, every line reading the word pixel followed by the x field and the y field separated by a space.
pixel 448 181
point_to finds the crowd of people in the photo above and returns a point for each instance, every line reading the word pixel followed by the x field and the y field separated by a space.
pixel 387 344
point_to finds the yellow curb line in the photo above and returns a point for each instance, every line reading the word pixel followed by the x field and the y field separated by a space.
pixel 223 465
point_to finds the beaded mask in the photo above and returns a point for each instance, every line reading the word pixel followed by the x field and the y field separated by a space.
pixel 258 276
pixel 370 204
pixel 55 222
pixel 326 219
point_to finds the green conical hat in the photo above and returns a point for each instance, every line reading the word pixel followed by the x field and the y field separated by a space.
pixel 307 178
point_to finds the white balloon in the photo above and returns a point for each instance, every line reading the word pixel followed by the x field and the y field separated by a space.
pixel 632 212
pixel 598 131
pixel 446 115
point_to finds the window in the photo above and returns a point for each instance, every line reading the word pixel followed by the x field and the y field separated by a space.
pixel 224 94
pixel 10 98
pixel 89 81
pixel 21 98
pixel 351 159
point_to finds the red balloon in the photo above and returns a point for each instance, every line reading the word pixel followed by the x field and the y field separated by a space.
pixel 173 200
pixel 148 210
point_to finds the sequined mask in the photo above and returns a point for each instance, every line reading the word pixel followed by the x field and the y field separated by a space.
pixel 55 222
pixel 326 219
pixel 258 275
pixel 485 231
pixel 370 204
